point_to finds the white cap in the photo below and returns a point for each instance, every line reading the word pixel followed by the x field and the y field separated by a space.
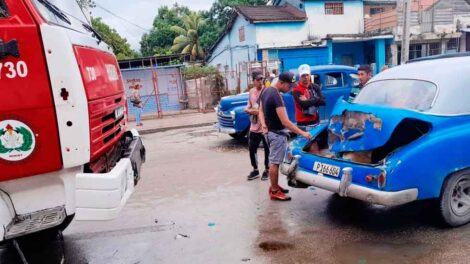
pixel 304 69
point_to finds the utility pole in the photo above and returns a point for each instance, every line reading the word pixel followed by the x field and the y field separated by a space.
pixel 405 37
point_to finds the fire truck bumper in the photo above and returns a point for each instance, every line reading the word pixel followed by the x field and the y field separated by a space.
pixel 101 196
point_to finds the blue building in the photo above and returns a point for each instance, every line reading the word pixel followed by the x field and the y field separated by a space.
pixel 287 33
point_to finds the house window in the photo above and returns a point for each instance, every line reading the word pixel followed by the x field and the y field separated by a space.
pixel 334 8
pixel 415 51
pixel 452 46
pixel 376 10
pixel 434 49
pixel 241 34
pixel 273 55
pixel 3 9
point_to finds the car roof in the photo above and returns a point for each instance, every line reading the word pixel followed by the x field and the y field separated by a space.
pixel 450 75
pixel 445 71
pixel 332 67
pixel 320 68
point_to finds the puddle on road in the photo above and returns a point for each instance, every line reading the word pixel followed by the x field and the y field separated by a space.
pixel 366 252
pixel 230 145
pixel 202 133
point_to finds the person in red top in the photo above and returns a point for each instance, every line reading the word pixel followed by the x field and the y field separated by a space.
pixel 307 98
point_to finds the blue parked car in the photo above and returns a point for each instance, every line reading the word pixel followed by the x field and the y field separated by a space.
pixel 336 81
pixel 405 137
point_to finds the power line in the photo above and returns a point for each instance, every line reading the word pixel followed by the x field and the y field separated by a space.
pixel 120 17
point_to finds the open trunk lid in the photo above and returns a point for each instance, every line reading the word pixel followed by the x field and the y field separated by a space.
pixel 354 127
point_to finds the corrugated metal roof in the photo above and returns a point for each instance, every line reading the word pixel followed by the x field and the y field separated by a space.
pixel 271 13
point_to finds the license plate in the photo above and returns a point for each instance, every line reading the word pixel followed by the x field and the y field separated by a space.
pixel 118 113
pixel 326 169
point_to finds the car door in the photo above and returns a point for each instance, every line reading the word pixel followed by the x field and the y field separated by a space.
pixel 335 84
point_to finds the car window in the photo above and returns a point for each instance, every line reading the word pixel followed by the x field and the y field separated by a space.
pixel 334 79
pixel 409 94
pixel 316 79
pixel 3 9
pixel 354 79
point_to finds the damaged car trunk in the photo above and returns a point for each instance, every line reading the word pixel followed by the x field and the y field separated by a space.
pixel 366 137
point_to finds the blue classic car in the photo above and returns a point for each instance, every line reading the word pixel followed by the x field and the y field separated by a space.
pixel 405 137
pixel 336 81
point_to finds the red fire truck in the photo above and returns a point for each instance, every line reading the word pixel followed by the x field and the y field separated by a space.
pixel 65 149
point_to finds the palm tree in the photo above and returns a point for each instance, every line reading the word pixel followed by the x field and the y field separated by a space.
pixel 188 39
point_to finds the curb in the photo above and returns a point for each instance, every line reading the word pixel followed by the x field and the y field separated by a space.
pixel 164 129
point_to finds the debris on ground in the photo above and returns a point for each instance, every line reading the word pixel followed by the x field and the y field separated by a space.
pixel 211 225
pixel 181 236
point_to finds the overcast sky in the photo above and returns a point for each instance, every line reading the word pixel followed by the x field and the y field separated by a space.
pixel 139 12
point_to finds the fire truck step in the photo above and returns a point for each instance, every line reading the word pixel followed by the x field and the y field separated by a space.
pixel 36 221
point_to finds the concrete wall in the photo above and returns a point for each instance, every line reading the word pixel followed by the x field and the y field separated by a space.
pixel 355 50
pixel 169 88
pixel 280 35
pixel 320 24
pixel 293 58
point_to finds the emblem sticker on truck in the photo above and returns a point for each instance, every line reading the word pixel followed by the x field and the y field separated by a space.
pixel 17 141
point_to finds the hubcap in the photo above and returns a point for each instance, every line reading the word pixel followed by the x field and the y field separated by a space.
pixel 460 200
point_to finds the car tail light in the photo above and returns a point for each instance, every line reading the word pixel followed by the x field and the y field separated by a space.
pixel 382 180
pixel 370 178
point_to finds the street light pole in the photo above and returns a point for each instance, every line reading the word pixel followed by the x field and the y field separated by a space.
pixel 405 37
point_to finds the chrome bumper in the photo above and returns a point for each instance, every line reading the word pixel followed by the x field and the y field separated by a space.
pixel 225 130
pixel 346 188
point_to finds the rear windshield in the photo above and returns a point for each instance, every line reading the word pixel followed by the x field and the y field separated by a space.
pixel 409 94
pixel 3 9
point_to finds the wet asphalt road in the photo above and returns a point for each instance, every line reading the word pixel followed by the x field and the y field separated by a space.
pixel 194 205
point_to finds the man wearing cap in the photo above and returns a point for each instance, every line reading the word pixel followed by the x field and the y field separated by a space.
pixel 274 121
pixel 256 136
pixel 365 74
pixel 307 98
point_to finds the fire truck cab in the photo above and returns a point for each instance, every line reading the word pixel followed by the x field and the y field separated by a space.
pixel 65 149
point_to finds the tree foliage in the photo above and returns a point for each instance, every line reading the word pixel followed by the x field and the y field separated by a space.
pixel 86 3
pixel 120 46
pixel 160 40
pixel 187 40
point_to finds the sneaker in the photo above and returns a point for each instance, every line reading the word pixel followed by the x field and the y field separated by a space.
pixel 139 124
pixel 280 188
pixel 253 175
pixel 283 190
pixel 265 176
pixel 279 195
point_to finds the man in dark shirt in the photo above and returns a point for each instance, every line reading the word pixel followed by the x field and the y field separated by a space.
pixel 274 121
pixel 365 74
